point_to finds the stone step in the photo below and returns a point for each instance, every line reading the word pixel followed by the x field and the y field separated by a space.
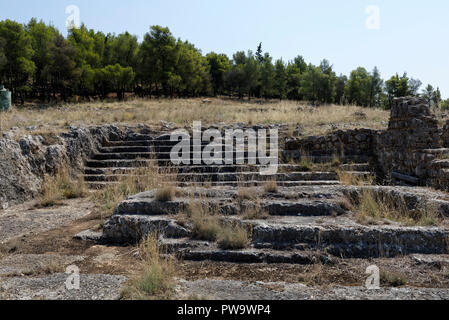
pixel 119 163
pixel 338 236
pixel 296 155
pixel 123 143
pixel 149 148
pixel 227 177
pixel 228 204
pixel 437 152
pixel 361 174
pixel 164 142
pixel 191 250
pixel 363 167
pixel 124 156
pixel 440 164
pixel 288 184
pixel 349 239
pixel 116 163
pixel 126 149
pixel 159 155
pixel 286 168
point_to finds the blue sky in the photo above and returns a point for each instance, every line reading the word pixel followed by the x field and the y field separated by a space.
pixel 413 35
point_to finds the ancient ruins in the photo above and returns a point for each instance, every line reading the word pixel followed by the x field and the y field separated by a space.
pixel 307 217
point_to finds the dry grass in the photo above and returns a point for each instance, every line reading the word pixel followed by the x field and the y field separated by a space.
pixel 155 279
pixel 307 164
pixel 60 187
pixel 184 111
pixel 349 179
pixel 372 208
pixel 247 194
pixel 392 279
pixel 249 201
pixel 206 223
pixel 146 178
pixel 208 227
pixel 233 237
pixel 270 186
pixel 166 193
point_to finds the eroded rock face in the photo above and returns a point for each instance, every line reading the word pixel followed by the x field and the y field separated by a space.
pixel 25 160
pixel 17 179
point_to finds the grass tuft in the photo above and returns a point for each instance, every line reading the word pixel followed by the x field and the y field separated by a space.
pixel 373 207
pixel 155 278
pixel 206 224
pixel 60 187
pixel 233 238
pixel 349 179
pixel 392 279
pixel 145 178
pixel 270 186
pixel 166 193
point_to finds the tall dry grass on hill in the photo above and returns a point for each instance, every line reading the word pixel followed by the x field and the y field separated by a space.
pixel 184 111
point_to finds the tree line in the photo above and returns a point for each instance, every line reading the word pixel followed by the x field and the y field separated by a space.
pixel 36 61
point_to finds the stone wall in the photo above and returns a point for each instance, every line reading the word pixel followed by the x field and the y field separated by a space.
pixel 412 147
pixel 445 135
pixel 412 130
pixel 358 142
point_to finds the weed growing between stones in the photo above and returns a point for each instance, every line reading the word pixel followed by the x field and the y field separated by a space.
pixel 270 186
pixel 372 208
pixel 246 194
pixel 307 164
pixel 155 278
pixel 60 187
pixel 208 227
pixel 349 179
pixel 392 279
pixel 166 193
pixel 143 179
pixel 255 212
pixel 206 224
pixel 233 237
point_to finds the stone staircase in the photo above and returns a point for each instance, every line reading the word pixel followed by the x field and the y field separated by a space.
pixel 303 225
pixel 309 219
pixel 118 159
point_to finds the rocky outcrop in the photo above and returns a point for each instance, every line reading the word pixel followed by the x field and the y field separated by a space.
pixel 25 160
pixel 17 178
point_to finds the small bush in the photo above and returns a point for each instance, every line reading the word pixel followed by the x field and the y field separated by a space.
pixel 75 190
pixel 233 238
pixel 207 227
